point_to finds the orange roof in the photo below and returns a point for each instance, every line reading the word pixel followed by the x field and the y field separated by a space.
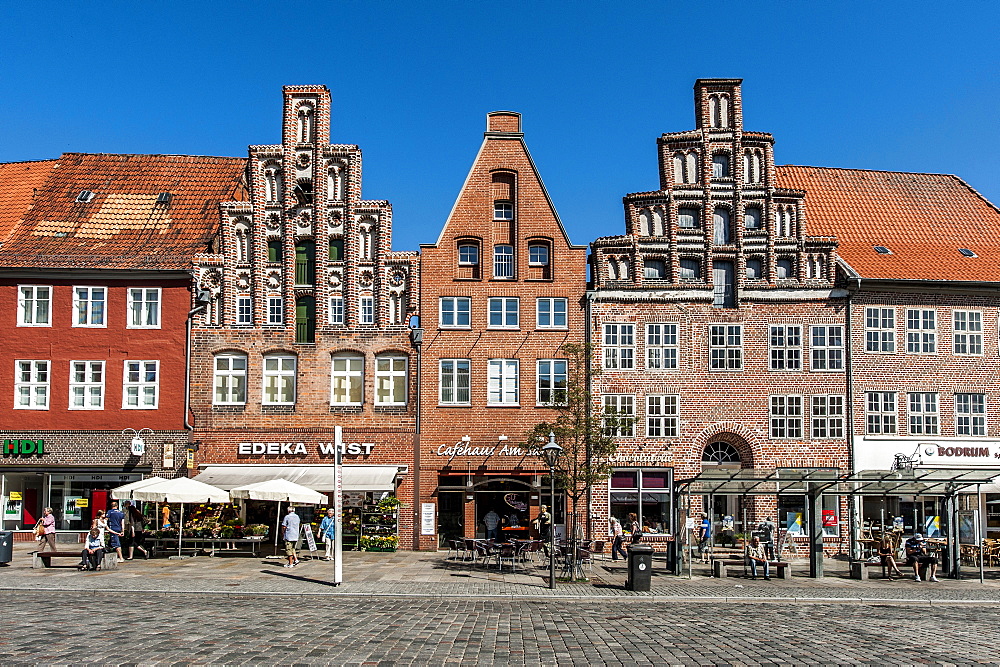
pixel 123 226
pixel 923 219
pixel 18 181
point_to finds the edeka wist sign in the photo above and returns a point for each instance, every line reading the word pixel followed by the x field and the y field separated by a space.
pixel 23 447
pixel 300 448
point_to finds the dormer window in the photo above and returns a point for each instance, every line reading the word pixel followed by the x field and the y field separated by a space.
pixel 538 255
pixel 720 165
pixel 503 210
pixel 468 254
pixel 84 197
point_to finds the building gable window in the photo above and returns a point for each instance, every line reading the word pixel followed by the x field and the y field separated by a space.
pixel 279 380
pixel 751 218
pixel 503 261
pixel 244 310
pixel 654 269
pixel 347 379
pixel 275 310
pixel 230 379
pixel 687 218
pixel 720 165
pixel 690 269
pixel 336 314
pixel 503 210
pixel 468 254
pixel 366 310
pixel 538 254
pixel 755 269
pixel 336 251
pixel 724 284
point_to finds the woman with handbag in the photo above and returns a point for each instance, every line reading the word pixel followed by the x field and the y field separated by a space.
pixel 136 527
pixel 634 527
pixel 48 530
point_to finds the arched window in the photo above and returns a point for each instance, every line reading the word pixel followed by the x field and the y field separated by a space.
pixel 347 379
pixel 623 272
pixel 272 184
pixel 538 254
pixel 644 222
pixel 720 453
pixel 365 241
pixel 751 218
pixel 390 379
pixel 612 269
pixel 304 129
pixel 720 224
pixel 503 261
pixel 720 165
pixel 335 183
pixel 242 233
pixel 718 107
pixel 679 168
pixel 691 167
pixel 397 306
pixel 657 222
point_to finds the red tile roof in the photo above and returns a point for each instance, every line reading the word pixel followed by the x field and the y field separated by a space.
pixel 922 218
pixel 18 181
pixel 123 227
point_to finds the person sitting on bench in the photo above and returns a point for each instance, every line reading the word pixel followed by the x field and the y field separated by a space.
pixel 886 556
pixel 917 555
pixel 756 555
pixel 93 552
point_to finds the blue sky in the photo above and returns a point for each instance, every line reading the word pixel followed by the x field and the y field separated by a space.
pixel 905 86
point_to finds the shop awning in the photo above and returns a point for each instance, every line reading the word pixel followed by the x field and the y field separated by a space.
pixel 315 477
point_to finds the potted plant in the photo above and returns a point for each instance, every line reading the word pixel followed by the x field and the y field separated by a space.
pixel 388 504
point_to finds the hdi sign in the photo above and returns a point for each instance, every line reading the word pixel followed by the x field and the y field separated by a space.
pixel 23 447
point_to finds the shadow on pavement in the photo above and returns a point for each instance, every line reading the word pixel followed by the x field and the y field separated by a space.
pixel 310 580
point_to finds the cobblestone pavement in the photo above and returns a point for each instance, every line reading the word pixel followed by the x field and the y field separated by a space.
pixel 205 629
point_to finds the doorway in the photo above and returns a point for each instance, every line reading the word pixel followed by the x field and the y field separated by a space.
pixel 504 503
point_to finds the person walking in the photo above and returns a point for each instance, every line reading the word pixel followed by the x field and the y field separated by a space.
pixel 766 529
pixel 327 532
pixel 617 539
pixel 290 525
pixel 93 551
pixel 543 524
pixel 135 528
pixel 704 533
pixel 116 526
pixel 48 536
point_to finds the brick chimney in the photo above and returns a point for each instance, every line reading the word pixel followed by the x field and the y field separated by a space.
pixel 503 122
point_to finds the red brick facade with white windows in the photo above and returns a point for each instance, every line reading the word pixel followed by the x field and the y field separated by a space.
pixel 502 207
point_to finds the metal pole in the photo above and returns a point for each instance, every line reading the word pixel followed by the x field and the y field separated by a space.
pixel 552 528
pixel 338 505
pixel 180 531
pixel 979 523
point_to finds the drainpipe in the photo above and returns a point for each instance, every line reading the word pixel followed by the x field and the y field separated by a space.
pixel 853 507
pixel 188 426
pixel 587 380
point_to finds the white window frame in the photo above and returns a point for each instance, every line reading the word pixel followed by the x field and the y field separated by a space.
pixel 229 378
pixel 725 346
pixel 351 375
pixel 463 246
pixel 970 415
pixel 366 310
pixel 880 330
pixel 500 261
pixel 923 413
pixel 970 333
pixel 532 248
pixel 618 347
pixel 921 339
pixel 275 311
pixel 141 312
pixel 87 303
pixel 828 416
pixel 881 413
pixel 279 378
pixel 503 209
pixel 461 380
pixel 244 311
pixel 662 348
pixel 503 382
pixel 453 306
pixel 141 385
pixel 826 357
pixel 786 418
pixel 551 371
pixel 87 385
pixel 622 408
pixel 662 415
pixel 335 313
pixel 510 318
pixel 37 383
pixel 27 305
pixel 386 378
pixel 785 347
pixel 551 312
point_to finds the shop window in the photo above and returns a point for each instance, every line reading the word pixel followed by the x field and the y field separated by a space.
pixel 390 380
pixel 144 308
pixel 89 306
pixel 33 303
pixel 141 385
pixel 230 379
pixel 454 382
pixel 347 380
pixel 31 385
pixel 644 492
pixel 661 346
pixel 86 385
pixel 619 346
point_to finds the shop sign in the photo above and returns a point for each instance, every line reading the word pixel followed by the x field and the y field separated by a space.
pixel 15 495
pixel 494 450
pixel 23 447
pixel 963 452
pixel 300 449
pixel 82 502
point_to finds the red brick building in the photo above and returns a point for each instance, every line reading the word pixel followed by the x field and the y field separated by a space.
pixel 501 291
pixel 95 290
pixel 305 324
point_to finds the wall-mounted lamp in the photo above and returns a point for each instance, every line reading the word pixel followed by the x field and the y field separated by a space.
pixel 466 439
pixel 501 438
pixel 137 443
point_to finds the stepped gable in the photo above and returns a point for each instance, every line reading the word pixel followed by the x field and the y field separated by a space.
pixel 125 224
pixel 922 219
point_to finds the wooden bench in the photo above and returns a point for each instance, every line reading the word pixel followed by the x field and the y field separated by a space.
pixel 42 559
pixel 779 569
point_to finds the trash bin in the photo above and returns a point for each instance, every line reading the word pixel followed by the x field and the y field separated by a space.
pixel 6 546
pixel 640 567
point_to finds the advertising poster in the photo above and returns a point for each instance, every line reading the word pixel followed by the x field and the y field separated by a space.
pixel 71 511
pixel 794 521
pixel 830 519
pixel 932 526
pixel 12 509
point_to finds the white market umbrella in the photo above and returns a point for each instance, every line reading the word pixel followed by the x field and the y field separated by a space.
pixel 125 491
pixel 279 490
pixel 181 490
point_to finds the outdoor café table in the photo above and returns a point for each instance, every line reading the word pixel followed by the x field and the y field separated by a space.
pixel 521 547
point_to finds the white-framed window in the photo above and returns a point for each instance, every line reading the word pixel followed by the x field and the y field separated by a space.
pixel 923 413
pixel 880 330
pixel 141 385
pixel 538 254
pixel 827 347
pixel 662 416
pixel 503 382
pixel 347 379
pixel 366 310
pixel 552 382
pixel 454 312
pixel 687 217
pixel 550 313
pixel 828 416
pixel 275 310
pixel 968 332
pixel 619 415
pixel 390 380
pixel 468 254
pixel 504 312
pixel 786 347
pixel 86 385
pixel 244 310
pixel 921 331
pixel 503 210
pixel 503 261
pixel 880 412
pixel 31 384
pixel 725 347
pixel 34 304
pixel 230 379
pixel 336 312
pixel 279 380
pixel 89 305
pixel 454 386
pixel 661 346
pixel 144 308
pixel 619 346
pixel 970 414
pixel 786 417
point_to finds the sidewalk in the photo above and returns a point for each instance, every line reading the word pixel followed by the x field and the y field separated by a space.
pixel 424 574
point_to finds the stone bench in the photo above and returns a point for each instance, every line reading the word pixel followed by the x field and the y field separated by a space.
pixel 43 559
pixel 779 569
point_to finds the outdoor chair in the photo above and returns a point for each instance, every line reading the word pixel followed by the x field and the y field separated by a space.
pixel 453 548
pixel 506 552
pixel 483 552
pixel 470 550
pixel 598 549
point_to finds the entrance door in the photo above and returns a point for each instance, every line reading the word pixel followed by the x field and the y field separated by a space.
pixel 32 512
pixel 451 516
pixel 506 503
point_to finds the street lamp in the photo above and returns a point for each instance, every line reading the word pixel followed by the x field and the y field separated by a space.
pixel 551 452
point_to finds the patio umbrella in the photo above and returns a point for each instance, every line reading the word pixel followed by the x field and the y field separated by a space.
pixel 125 491
pixel 279 490
pixel 181 490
